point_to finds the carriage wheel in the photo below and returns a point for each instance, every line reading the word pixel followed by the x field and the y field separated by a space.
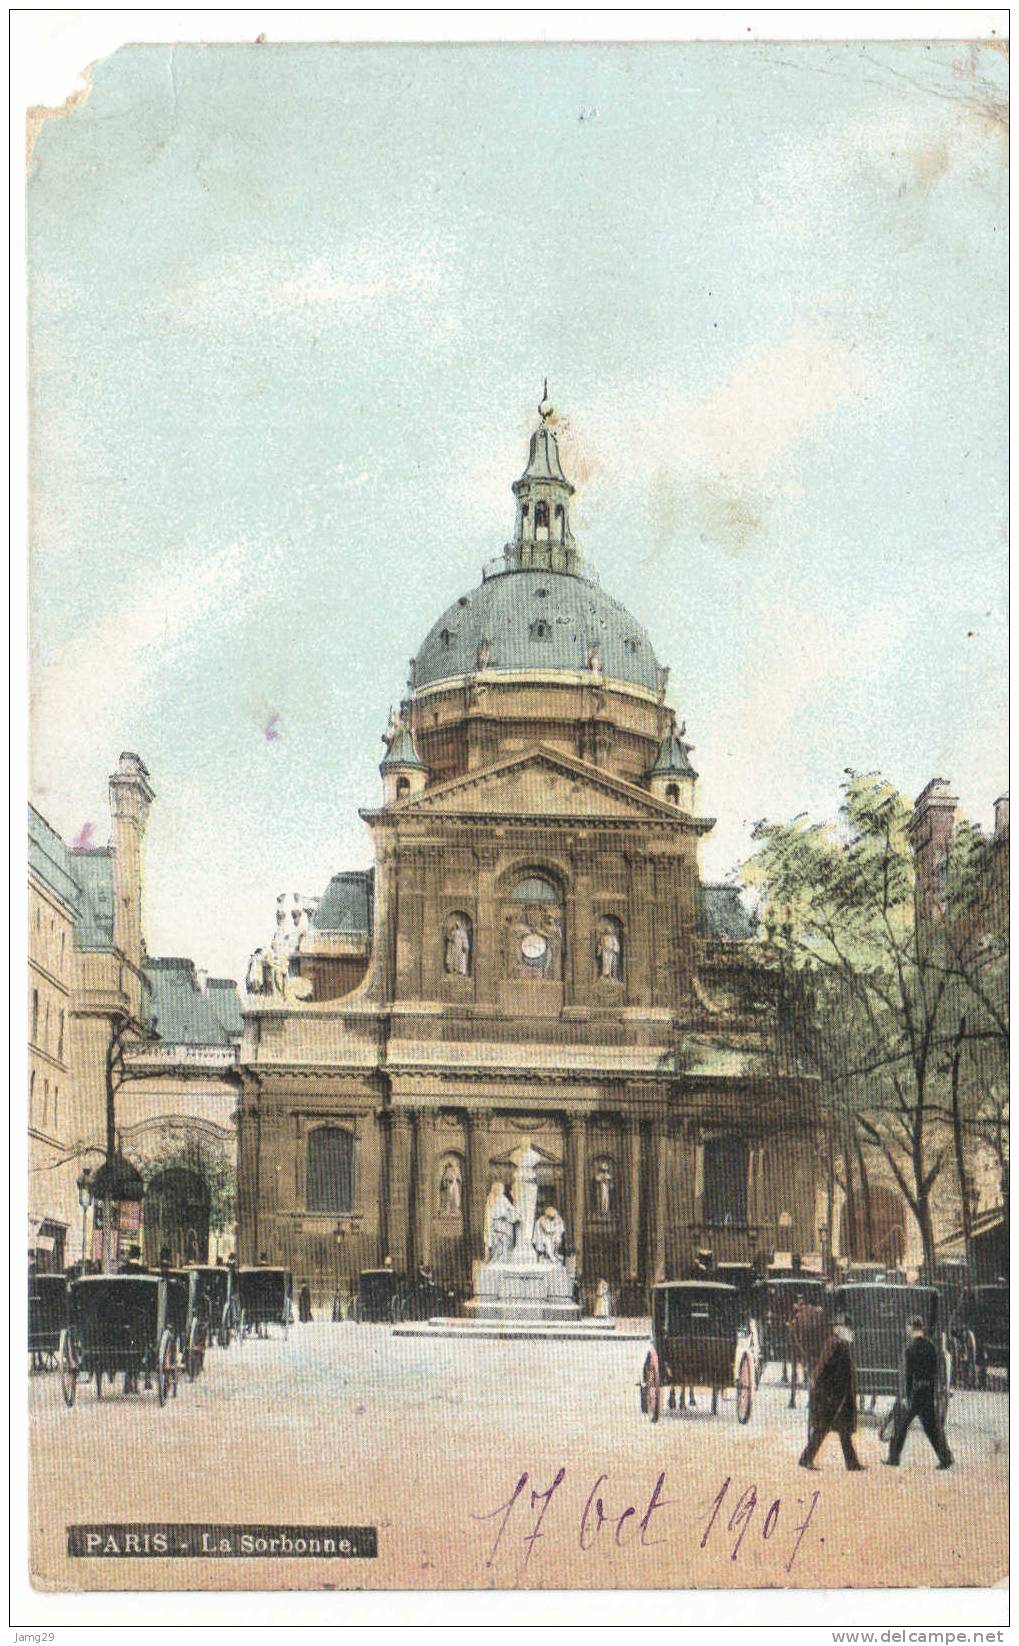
pixel 166 1375
pixel 744 1390
pixel 195 1359
pixel 651 1389
pixel 68 1369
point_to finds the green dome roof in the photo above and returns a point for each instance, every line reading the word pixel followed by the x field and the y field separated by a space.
pixel 540 620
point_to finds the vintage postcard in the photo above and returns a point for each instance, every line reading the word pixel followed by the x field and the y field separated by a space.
pixel 517 1078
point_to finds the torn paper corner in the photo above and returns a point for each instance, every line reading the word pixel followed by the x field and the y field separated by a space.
pixel 39 113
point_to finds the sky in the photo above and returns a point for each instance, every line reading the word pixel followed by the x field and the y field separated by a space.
pixel 291 309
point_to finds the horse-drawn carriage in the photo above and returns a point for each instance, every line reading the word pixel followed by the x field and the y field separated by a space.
pixel 376 1291
pixel 980 1334
pixel 188 1314
pixel 215 1284
pixel 880 1317
pixel 264 1298
pixel 775 1307
pixel 47 1317
pixel 119 1324
pixel 702 1337
pixel 422 1298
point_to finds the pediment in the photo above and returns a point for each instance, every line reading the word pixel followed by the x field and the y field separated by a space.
pixel 539 782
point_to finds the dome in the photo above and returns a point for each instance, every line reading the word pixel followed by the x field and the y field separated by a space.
pixel 538 620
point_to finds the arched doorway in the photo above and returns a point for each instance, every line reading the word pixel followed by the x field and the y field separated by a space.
pixel 175 1213
pixel 882 1238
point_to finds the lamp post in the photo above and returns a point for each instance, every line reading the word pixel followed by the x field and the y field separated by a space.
pixel 84 1201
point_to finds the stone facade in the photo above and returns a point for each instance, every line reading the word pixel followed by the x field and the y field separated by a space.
pixel 91 986
pixel 540 964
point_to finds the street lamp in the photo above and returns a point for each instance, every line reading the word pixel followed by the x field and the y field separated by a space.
pixel 84 1201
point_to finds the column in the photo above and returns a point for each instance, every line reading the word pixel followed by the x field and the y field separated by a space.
pixel 487 929
pixel 576 1169
pixel 631 1191
pixel 477 1181
pixel 424 1185
pixel 659 1161
pixel 398 1166
pixel 383 959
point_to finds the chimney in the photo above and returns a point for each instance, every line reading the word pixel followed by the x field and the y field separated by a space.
pixel 931 829
pixel 130 798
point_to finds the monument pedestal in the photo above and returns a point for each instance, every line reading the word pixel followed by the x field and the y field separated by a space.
pixel 522 1292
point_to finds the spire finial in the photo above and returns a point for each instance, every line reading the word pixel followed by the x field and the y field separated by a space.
pixel 545 407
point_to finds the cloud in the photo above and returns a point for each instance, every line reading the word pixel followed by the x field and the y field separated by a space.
pixel 358 282
pixel 108 663
pixel 774 399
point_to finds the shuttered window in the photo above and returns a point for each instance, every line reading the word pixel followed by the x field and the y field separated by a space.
pixel 330 1170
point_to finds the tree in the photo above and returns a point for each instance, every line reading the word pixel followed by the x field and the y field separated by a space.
pixel 871 996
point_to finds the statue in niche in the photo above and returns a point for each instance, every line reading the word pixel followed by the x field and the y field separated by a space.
pixel 610 952
pixel 450 1189
pixel 548 1236
pixel 484 654
pixel 604 1184
pixel 458 946
pixel 501 1220
pixel 594 659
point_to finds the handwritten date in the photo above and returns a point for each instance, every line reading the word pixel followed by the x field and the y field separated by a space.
pixel 524 1518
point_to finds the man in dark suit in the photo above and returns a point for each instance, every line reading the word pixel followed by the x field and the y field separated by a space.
pixel 833 1400
pixel 921 1377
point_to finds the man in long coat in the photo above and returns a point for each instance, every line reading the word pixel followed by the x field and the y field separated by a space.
pixel 833 1400
pixel 921 1380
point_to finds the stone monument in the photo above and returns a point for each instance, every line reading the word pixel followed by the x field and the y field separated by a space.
pixel 524 1276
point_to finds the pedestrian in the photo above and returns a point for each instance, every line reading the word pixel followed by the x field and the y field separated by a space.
pixel 304 1305
pixel 921 1383
pixel 832 1404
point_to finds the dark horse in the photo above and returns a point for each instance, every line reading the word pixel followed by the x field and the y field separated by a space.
pixel 808 1333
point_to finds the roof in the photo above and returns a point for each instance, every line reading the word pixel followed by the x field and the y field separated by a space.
pixel 401 751
pixel 93 870
pixel 671 760
pixel 724 915
pixel 185 1013
pixel 346 904
pixel 694 1286
pixel 538 620
pixel 543 459
pixel 48 859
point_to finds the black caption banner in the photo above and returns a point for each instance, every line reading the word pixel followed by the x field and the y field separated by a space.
pixel 172 1541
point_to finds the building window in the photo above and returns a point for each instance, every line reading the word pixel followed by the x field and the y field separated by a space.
pixel 56 1107
pixel 31 1098
pixel 726 1169
pixel 35 1017
pixel 672 793
pixel 45 1101
pixel 402 788
pixel 330 1170
pixel 60 1040
pixel 535 929
pixel 560 520
pixel 541 520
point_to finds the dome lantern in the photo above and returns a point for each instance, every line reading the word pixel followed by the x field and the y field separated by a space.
pixel 543 539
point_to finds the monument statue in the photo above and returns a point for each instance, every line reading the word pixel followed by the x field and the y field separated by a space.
pixel 548 1236
pixel 525 1199
pixel 501 1217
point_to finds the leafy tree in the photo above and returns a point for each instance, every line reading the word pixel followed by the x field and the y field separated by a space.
pixel 881 1006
